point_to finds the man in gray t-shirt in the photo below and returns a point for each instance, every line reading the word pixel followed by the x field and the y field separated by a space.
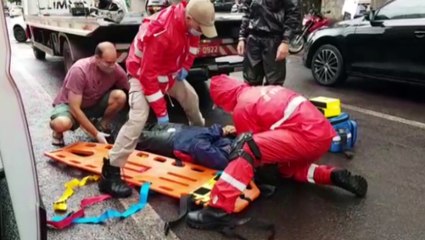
pixel 94 87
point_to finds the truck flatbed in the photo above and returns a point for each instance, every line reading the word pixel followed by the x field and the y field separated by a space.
pixel 59 33
pixel 85 25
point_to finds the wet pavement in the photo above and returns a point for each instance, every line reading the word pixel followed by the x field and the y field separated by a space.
pixel 390 153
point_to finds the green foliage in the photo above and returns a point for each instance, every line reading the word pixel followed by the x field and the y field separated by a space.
pixel 17 2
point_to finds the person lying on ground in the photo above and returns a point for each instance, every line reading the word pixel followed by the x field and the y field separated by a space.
pixel 206 146
pixel 287 130
pixel 94 87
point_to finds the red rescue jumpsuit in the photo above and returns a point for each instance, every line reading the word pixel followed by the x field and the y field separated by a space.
pixel 287 128
pixel 160 49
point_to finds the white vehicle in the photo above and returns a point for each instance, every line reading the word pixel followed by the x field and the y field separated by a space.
pixel 22 214
pixel 19 29
pixel 15 11
pixel 355 8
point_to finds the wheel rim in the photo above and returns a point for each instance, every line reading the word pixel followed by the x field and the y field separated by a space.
pixel 20 35
pixel 296 44
pixel 326 66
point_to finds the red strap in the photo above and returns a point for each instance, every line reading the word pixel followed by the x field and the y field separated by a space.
pixel 67 220
pixel 93 200
pixel 183 156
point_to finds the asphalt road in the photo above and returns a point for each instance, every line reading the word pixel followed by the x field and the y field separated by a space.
pixel 389 153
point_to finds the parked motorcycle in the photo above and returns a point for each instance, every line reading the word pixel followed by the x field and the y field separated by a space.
pixel 311 22
pixel 236 8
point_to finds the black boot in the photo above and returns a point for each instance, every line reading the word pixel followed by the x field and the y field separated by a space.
pixel 355 184
pixel 208 218
pixel 111 183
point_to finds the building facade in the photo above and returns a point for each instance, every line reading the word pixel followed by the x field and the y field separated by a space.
pixel 335 6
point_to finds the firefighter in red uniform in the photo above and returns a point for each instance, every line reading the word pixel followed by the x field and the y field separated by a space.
pixel 160 57
pixel 287 130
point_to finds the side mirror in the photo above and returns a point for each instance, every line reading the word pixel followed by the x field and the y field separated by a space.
pixel 372 19
pixel 371 15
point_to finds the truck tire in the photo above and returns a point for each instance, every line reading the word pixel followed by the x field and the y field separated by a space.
pixel 67 57
pixel 38 54
pixel 19 34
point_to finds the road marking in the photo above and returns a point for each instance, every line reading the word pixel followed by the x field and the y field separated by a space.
pixel 385 116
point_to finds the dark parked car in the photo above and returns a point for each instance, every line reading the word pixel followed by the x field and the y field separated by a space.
pixel 388 43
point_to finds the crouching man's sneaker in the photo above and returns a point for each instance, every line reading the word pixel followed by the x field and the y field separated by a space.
pixel 111 182
pixel 57 139
pixel 355 184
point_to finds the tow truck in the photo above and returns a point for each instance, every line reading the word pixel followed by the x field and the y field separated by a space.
pixel 71 29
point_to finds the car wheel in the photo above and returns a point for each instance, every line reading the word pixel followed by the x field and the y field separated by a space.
pixel 19 34
pixel 40 55
pixel 328 66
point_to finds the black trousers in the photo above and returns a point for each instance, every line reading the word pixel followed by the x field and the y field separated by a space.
pixel 259 61
pixel 155 138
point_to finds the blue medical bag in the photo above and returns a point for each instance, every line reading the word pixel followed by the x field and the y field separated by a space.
pixel 346 138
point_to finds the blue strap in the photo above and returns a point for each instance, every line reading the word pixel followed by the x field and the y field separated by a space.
pixel 111 213
pixel 60 218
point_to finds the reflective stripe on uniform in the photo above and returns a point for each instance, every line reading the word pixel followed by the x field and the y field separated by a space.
pixel 163 79
pixel 137 51
pixel 154 97
pixel 289 110
pixel 194 50
pixel 159 33
pixel 233 181
pixel 310 173
pixel 139 71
